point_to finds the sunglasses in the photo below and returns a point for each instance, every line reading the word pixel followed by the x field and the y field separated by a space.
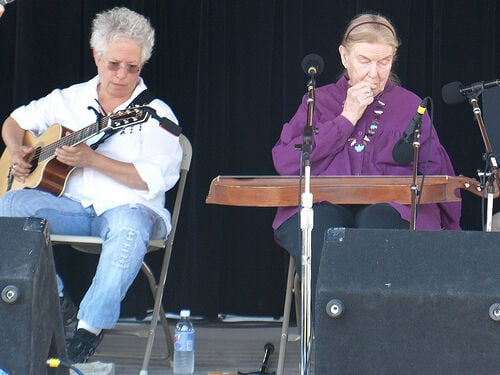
pixel 130 68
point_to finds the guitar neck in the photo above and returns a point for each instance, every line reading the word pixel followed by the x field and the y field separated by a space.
pixel 114 121
pixel 73 139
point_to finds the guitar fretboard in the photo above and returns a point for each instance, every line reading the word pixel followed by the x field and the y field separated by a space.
pixel 120 119
pixel 48 152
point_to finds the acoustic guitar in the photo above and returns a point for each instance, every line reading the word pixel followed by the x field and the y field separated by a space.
pixel 47 173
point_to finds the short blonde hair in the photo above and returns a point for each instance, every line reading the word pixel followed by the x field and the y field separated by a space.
pixel 370 28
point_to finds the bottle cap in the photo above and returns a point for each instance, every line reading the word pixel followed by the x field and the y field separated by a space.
pixel 185 313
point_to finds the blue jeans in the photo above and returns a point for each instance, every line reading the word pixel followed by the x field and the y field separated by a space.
pixel 126 231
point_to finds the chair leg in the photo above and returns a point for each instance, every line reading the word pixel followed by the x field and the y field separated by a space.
pixel 147 330
pixel 286 316
pixel 157 311
pixel 167 332
pixel 297 291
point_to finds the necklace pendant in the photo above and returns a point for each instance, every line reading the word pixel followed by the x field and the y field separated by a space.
pixel 359 147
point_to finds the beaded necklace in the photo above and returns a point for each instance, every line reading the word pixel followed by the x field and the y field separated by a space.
pixel 360 146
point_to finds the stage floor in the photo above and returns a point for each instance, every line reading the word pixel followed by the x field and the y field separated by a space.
pixel 220 347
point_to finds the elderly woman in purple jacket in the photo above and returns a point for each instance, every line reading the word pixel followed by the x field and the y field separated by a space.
pixel 359 120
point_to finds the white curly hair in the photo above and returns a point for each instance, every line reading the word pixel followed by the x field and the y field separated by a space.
pixel 121 22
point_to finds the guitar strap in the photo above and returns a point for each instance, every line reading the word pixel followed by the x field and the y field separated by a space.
pixel 145 97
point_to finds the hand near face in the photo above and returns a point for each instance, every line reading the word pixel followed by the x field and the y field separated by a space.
pixel 359 96
pixel 368 66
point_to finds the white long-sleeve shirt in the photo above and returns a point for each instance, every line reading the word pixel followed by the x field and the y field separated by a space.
pixel 155 153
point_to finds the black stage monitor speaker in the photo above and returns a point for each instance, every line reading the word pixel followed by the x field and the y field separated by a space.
pixel 408 302
pixel 31 328
pixel 491 109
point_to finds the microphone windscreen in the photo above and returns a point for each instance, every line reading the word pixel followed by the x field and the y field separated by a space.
pixel 402 153
pixel 451 93
pixel 313 60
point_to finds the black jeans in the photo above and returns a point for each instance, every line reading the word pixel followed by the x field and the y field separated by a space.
pixel 327 215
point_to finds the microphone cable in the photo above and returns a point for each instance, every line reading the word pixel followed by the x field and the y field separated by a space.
pixel 56 362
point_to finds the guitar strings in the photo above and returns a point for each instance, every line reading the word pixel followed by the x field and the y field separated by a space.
pixel 47 152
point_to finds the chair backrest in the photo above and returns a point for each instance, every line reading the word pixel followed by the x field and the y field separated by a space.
pixel 92 245
pixel 187 151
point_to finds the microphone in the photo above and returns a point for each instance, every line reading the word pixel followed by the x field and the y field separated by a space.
pixel 312 64
pixel 454 92
pixel 402 152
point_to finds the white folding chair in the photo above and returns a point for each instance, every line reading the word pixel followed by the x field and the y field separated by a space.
pixel 92 245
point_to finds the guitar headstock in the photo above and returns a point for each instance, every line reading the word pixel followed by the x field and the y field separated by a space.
pixel 126 117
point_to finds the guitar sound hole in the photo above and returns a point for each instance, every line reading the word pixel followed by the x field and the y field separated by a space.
pixel 34 161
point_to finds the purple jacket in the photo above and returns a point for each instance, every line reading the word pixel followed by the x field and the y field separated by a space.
pixel 333 155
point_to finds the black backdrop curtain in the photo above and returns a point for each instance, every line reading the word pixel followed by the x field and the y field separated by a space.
pixel 231 71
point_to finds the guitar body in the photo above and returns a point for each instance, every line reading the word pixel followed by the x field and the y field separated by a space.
pixel 48 175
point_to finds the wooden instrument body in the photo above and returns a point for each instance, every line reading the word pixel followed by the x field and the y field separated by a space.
pixel 281 191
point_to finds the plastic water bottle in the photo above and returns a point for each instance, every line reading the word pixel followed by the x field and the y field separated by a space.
pixel 184 345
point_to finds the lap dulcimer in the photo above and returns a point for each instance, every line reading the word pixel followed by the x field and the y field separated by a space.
pixel 278 191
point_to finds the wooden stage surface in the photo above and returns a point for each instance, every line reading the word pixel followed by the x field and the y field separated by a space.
pixel 220 348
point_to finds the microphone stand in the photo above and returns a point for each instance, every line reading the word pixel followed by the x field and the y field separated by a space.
pixel 489 156
pixel 414 187
pixel 306 225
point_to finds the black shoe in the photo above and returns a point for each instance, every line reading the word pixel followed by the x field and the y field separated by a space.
pixel 68 310
pixel 82 345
